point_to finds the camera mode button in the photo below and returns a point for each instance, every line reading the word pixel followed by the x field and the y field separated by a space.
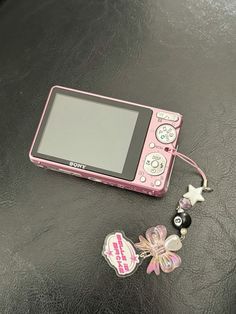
pixel 166 134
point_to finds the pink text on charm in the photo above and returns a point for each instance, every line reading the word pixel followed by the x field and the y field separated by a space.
pixel 120 253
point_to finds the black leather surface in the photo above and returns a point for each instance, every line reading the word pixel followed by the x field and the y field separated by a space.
pixel 177 55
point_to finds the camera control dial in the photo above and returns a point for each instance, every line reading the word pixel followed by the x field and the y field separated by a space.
pixel 154 164
pixel 166 134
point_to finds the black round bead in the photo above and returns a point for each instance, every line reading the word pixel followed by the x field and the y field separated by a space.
pixel 182 220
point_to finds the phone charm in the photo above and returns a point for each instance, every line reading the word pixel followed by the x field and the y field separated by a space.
pixel 124 256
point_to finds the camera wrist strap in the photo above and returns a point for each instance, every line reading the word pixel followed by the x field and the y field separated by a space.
pixel 124 256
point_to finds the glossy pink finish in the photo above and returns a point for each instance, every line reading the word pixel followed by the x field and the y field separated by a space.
pixel 147 187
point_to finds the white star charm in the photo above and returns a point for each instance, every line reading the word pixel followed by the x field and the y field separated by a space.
pixel 194 195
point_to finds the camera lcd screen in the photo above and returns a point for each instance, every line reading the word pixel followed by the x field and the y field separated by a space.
pixel 107 136
pixel 95 134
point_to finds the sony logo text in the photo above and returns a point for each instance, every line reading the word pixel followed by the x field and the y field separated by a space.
pixel 77 165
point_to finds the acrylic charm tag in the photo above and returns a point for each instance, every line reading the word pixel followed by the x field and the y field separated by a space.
pixel 120 254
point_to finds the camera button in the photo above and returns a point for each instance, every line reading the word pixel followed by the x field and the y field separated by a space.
pixel 157 183
pixel 167 116
pixel 143 179
pixel 166 134
pixel 155 164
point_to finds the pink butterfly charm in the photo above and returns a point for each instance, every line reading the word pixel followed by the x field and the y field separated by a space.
pixel 160 248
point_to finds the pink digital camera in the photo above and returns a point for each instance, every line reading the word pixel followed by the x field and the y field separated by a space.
pixel 107 140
